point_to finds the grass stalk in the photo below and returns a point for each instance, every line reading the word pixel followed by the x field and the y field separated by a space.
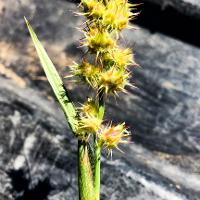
pixel 97 167
pixel 97 172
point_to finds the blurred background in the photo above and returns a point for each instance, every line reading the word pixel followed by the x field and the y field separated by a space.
pixel 37 150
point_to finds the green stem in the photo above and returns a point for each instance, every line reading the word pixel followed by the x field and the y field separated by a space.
pixel 97 175
pixel 101 105
pixel 85 176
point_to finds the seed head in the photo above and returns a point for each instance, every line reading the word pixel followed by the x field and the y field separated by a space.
pixel 98 41
pixel 93 9
pixel 113 81
pixel 90 107
pixel 89 124
pixel 119 58
pixel 86 72
pixel 111 136
pixel 88 119
pixel 117 14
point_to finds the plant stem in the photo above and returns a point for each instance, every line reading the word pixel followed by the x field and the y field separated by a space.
pixel 97 174
pixel 97 171
pixel 85 175
pixel 101 105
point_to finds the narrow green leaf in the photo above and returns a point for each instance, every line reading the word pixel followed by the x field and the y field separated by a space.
pixel 55 81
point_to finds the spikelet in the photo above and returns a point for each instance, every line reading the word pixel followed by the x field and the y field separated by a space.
pixel 117 15
pixel 86 72
pixel 93 9
pixel 120 58
pixel 89 123
pixel 98 41
pixel 112 136
pixel 113 81
pixel 90 107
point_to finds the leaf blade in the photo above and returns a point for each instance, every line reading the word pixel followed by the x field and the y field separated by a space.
pixel 55 81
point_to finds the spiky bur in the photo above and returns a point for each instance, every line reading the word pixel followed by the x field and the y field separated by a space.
pixel 117 14
pixel 113 80
pixel 86 72
pixel 89 123
pixel 98 40
pixel 120 58
pixel 111 136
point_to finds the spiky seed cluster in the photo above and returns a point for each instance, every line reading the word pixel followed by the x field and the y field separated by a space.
pixel 108 71
pixel 112 136
pixel 98 41
pixel 113 80
pixel 86 72
pixel 90 107
pixel 92 9
pixel 89 123
pixel 120 58
pixel 117 14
